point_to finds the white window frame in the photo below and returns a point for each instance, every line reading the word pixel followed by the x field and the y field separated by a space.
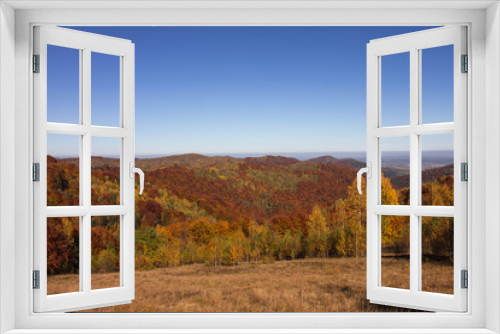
pixel 86 44
pixel 414 43
pixel 483 101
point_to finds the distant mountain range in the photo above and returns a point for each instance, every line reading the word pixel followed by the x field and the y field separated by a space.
pixel 391 169
pixel 428 175
pixel 198 160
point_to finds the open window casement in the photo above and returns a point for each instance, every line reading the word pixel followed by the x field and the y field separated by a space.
pixel 413 293
pixel 83 132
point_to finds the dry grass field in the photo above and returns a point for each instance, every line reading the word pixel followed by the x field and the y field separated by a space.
pixel 312 285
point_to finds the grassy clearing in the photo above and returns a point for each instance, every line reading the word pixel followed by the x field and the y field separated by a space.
pixel 312 285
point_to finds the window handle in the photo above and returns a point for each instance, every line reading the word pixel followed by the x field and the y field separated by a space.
pixel 368 171
pixel 134 170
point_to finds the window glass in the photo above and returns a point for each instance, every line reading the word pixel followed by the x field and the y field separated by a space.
pixel 105 90
pixel 395 181
pixel 63 254
pixel 395 243
pixel 437 170
pixel 437 84
pixel 105 252
pixel 63 85
pixel 395 89
pixel 437 254
pixel 106 170
pixel 63 170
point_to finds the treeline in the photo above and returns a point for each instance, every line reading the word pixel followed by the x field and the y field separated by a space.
pixel 338 232
pixel 221 243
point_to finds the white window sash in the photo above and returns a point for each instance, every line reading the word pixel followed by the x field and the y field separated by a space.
pixel 415 297
pixel 86 297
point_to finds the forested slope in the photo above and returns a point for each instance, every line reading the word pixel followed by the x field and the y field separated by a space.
pixel 225 211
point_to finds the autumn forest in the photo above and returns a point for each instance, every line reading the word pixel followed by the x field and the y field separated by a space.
pixel 222 212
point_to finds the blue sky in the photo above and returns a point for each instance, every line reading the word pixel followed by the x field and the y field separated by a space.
pixel 219 90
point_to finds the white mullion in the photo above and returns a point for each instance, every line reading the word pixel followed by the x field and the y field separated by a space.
pixel 419 250
pixel 123 175
pixel 79 129
pixel 85 248
pixel 81 240
pixel 378 178
pixel 378 175
pixel 78 211
pixel 414 166
pixel 379 250
pixel 122 253
pixel 372 184
pixel 67 129
pixel 433 129
pixel 407 210
pixel 66 211
pixel 419 131
pixel 415 269
pixel 392 210
pixel 127 193
pixel 433 211
pixel 109 210
pixel 377 253
pixel 103 131
pixel 123 120
pixel 393 131
pixel 86 253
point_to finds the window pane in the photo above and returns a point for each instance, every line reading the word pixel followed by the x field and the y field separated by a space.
pixel 395 89
pixel 63 85
pixel 63 170
pixel 105 252
pixel 437 84
pixel 395 181
pixel 437 170
pixel 395 243
pixel 63 253
pixel 437 254
pixel 106 171
pixel 105 90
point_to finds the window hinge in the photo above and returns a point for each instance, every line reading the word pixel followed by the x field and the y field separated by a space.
pixel 465 279
pixel 464 171
pixel 36 279
pixel 465 64
pixel 36 63
pixel 36 172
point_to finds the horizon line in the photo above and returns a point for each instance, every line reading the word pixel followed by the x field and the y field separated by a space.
pixel 239 155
